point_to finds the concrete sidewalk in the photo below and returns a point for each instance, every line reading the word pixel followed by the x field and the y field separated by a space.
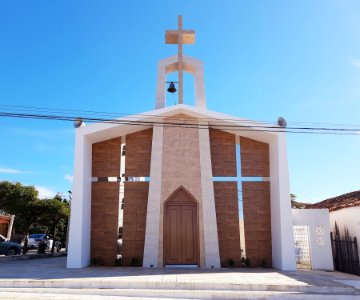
pixel 45 278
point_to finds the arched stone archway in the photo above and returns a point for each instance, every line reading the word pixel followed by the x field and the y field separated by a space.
pixel 181 229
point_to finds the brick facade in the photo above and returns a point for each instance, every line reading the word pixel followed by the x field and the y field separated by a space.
pixel 227 217
pixel 138 153
pixel 257 219
pixel 105 198
pixel 223 153
pixel 104 221
pixel 254 158
pixel 105 201
pixel 106 158
pixel 138 156
pixel 135 207
pixel 223 159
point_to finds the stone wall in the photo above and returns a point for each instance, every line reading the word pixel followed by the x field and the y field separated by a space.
pixel 181 168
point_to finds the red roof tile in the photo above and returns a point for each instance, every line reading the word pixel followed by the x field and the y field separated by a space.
pixel 342 201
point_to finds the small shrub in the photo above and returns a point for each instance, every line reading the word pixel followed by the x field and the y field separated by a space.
pixel 231 263
pixel 94 261
pixel 118 262
pixel 134 262
pixel 263 264
pixel 245 262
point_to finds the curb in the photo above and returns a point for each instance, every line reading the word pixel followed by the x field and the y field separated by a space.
pixel 114 283
pixel 130 294
pixel 30 256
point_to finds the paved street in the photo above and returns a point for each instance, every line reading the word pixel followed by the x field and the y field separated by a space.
pixel 45 278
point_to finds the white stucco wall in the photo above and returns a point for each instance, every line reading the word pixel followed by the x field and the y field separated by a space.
pixel 152 229
pixel 347 218
pixel 80 218
pixel 281 219
pixel 321 253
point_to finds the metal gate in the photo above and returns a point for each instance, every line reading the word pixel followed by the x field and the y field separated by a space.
pixel 345 252
pixel 302 247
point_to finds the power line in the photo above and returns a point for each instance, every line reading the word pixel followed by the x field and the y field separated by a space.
pixel 187 124
pixel 118 114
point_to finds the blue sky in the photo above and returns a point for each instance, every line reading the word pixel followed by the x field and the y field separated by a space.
pixel 262 60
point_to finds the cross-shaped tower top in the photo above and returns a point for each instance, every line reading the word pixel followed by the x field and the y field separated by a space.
pixel 180 37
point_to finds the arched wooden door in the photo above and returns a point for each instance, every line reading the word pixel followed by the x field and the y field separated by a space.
pixel 181 232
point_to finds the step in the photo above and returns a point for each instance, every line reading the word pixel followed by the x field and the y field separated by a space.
pixel 134 283
pixel 151 294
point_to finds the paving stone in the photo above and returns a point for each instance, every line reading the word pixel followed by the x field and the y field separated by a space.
pixel 33 279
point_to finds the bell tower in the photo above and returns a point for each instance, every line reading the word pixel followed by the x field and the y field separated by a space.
pixel 180 63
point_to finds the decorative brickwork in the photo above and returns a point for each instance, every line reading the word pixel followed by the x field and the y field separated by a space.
pixel 254 158
pixel 104 220
pixel 138 153
pixel 135 207
pixel 223 153
pixel 227 216
pixel 106 158
pixel 256 205
pixel 180 167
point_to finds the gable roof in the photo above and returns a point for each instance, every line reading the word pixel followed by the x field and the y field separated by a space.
pixel 252 129
pixel 346 200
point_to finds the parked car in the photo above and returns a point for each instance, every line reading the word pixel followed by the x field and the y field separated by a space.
pixel 36 238
pixel 9 248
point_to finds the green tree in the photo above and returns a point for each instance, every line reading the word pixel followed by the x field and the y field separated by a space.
pixel 55 216
pixel 32 213
pixel 23 202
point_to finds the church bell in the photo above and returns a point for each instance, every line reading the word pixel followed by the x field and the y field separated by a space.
pixel 171 88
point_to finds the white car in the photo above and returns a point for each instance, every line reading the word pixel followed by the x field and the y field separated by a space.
pixel 36 238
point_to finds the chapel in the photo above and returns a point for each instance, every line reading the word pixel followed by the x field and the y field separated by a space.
pixel 181 185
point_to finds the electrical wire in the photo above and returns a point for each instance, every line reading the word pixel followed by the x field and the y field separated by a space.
pixel 188 124
pixel 118 114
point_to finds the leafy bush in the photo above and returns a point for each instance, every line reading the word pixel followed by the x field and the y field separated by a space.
pixel 231 263
pixel 245 262
pixel 95 261
pixel 134 262
pixel 118 262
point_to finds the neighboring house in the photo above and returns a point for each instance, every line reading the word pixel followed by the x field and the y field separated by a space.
pixel 199 174
pixel 345 212
pixel 6 224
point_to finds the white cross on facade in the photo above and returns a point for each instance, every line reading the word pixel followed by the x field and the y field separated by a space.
pixel 239 180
